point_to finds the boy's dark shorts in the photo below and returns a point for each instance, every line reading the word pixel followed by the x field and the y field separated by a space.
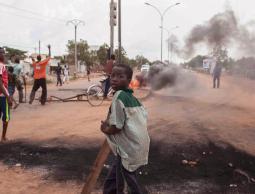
pixel 11 90
pixel 4 109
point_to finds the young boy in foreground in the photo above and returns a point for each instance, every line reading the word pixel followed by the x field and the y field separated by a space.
pixel 5 99
pixel 127 135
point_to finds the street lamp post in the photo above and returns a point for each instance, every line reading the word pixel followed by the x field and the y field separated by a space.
pixel 75 22
pixel 162 14
pixel 119 32
pixel 168 46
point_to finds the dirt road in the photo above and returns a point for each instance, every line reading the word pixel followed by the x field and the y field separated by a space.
pixel 202 141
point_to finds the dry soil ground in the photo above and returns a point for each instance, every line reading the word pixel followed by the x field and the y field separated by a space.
pixel 202 141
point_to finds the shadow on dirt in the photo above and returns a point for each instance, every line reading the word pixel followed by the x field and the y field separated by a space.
pixel 61 162
pixel 224 167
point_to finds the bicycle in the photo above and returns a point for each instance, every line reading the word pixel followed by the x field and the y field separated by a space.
pixel 95 93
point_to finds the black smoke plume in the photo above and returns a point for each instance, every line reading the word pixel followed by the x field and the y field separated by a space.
pixel 223 29
pixel 161 76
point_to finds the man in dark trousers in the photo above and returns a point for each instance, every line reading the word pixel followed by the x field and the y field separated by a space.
pixel 40 79
pixel 20 78
pixel 216 75
pixel 108 70
pixel 59 72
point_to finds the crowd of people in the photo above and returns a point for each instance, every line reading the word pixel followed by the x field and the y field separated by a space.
pixel 126 121
pixel 62 71
pixel 13 78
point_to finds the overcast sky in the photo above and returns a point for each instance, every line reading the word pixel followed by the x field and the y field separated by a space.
pixel 140 23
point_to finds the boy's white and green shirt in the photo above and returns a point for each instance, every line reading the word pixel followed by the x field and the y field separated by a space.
pixel 132 143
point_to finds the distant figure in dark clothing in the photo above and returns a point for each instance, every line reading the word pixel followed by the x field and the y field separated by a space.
pixel 88 72
pixel 19 78
pixel 108 70
pixel 216 75
pixel 12 82
pixel 59 72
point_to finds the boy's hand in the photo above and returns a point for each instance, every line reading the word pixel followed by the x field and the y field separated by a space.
pixel 10 100
pixel 104 125
pixel 107 129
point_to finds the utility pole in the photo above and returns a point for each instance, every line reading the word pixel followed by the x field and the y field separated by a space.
pixel 112 39
pixel 168 41
pixel 171 52
pixel 113 23
pixel 75 49
pixel 39 47
pixel 162 14
pixel 119 31
pixel 75 22
pixel 168 49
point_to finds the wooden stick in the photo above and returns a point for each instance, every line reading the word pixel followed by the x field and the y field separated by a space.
pixel 96 168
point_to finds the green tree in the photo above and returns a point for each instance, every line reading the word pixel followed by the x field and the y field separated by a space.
pixel 140 60
pixel 124 58
pixel 83 53
pixel 102 53
pixel 61 58
pixel 11 52
pixel 220 53
pixel 132 63
pixel 196 61
pixel 222 58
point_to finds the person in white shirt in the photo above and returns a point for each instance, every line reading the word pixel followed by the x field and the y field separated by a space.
pixel 66 75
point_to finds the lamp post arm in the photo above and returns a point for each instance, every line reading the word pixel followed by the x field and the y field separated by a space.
pixel 159 12
pixel 164 13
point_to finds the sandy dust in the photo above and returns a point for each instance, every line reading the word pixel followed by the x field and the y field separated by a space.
pixel 57 143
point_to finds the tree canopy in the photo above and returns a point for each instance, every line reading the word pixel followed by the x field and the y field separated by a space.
pixel 100 56
pixel 11 52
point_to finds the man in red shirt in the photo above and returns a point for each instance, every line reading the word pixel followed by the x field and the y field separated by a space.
pixel 40 79
pixel 5 99
pixel 108 70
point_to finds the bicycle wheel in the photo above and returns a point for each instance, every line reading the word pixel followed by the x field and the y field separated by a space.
pixel 95 95
pixel 142 93
pixel 110 93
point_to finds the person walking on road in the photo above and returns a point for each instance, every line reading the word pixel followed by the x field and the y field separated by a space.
pixel 59 72
pixel 216 75
pixel 66 75
pixel 40 79
pixel 19 78
pixel 12 82
pixel 108 70
pixel 5 98
pixel 88 72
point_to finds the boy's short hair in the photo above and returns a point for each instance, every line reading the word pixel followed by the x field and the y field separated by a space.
pixel 39 58
pixel 10 69
pixel 128 70
pixel 2 51
pixel 112 57
pixel 17 60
